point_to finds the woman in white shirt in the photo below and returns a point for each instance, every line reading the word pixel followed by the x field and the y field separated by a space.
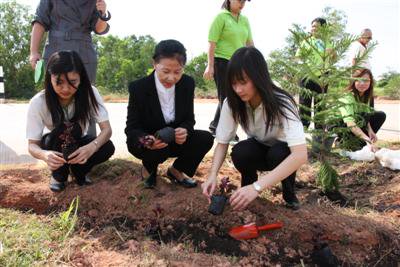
pixel 65 107
pixel 269 116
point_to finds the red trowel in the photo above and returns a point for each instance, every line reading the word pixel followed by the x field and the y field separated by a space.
pixel 251 230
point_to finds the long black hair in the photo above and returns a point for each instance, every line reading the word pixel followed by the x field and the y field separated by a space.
pixel 61 63
pixel 368 96
pixel 250 62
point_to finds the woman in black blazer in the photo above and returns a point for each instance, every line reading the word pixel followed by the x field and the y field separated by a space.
pixel 157 103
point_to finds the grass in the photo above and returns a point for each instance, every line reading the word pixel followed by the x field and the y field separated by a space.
pixel 30 240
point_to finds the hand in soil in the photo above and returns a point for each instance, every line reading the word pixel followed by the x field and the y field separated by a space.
pixel 242 197
pixel 82 154
pixel 54 159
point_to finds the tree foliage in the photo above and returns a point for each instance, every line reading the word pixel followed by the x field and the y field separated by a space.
pixel 392 88
pixel 15 31
pixel 122 60
pixel 195 68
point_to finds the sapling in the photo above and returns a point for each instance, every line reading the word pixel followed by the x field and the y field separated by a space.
pixel 69 144
pixel 153 228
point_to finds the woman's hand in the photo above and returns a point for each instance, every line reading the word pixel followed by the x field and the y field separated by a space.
pixel 372 136
pixel 34 57
pixel 101 6
pixel 82 154
pixel 54 159
pixel 242 197
pixel 208 187
pixel 180 135
pixel 157 144
pixel 209 73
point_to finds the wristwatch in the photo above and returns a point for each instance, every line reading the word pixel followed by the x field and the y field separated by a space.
pixel 257 187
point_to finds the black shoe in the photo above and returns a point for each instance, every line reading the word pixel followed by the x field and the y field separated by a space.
pixel 293 204
pixel 84 181
pixel 336 197
pixel 150 181
pixel 185 182
pixel 56 186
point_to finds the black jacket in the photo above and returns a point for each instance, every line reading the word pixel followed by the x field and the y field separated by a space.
pixel 144 109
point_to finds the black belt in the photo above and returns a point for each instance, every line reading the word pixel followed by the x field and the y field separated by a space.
pixel 71 35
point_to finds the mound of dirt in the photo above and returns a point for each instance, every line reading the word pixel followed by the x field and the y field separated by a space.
pixel 121 223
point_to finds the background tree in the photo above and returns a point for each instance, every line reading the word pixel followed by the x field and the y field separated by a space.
pixel 390 84
pixel 15 31
pixel 122 61
pixel 195 68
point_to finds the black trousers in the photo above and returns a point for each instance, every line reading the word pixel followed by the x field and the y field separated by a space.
pixel 189 154
pixel 220 68
pixel 250 156
pixel 78 170
pixel 375 119
pixel 307 101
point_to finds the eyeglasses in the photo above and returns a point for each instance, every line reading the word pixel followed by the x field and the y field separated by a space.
pixel 367 37
pixel 364 81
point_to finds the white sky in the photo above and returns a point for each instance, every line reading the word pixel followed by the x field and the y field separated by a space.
pixel 188 21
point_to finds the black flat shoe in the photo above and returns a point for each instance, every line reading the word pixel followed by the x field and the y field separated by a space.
pixel 293 205
pixel 56 186
pixel 150 181
pixel 85 181
pixel 185 182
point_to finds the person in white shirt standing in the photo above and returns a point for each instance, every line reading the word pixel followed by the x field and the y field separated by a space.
pixel 358 50
pixel 269 116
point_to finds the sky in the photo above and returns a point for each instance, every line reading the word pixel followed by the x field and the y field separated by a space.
pixel 188 21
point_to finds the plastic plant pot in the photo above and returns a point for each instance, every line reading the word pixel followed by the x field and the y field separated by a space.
pixel 167 134
pixel 217 205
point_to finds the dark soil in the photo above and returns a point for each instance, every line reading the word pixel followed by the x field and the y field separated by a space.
pixel 119 227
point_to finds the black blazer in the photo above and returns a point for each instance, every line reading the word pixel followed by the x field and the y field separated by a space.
pixel 144 109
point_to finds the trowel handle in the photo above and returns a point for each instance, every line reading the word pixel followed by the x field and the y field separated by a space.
pixel 272 226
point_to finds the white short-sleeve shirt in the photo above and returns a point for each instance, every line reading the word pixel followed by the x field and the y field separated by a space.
pixel 290 130
pixel 358 50
pixel 39 117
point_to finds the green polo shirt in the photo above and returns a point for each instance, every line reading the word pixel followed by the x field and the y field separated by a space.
pixel 352 107
pixel 229 34
pixel 313 56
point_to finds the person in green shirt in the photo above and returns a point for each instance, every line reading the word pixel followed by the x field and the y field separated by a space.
pixel 229 31
pixel 315 61
pixel 363 120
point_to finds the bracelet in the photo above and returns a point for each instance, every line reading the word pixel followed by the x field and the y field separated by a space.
pixel 105 18
pixel 96 144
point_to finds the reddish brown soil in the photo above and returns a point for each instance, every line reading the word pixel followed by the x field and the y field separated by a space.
pixel 117 225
